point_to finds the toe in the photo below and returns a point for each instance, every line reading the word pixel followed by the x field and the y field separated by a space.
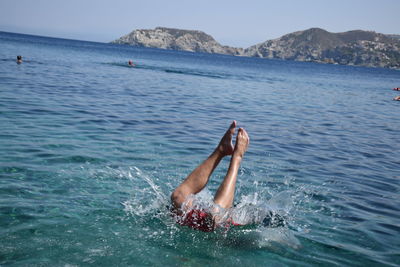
pixel 232 127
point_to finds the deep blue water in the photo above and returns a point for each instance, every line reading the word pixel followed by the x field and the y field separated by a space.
pixel 90 150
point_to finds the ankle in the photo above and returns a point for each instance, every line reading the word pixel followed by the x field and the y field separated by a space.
pixel 237 157
pixel 218 153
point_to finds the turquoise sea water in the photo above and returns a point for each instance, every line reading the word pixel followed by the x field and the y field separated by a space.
pixel 91 149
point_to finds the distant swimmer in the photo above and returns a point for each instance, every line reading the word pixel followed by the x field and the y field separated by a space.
pixel 397 98
pixel 396 89
pixel 130 63
pixel 19 59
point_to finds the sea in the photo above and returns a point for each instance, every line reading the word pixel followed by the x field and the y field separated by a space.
pixel 91 149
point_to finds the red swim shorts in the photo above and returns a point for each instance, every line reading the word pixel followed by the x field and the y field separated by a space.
pixel 198 219
pixel 201 220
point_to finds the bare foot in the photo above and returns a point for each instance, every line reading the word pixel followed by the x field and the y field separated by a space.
pixel 242 143
pixel 225 146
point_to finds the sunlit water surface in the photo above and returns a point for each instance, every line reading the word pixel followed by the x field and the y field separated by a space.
pixel 90 150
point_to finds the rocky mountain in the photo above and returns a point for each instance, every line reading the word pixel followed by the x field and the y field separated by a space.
pixel 365 48
pixel 357 47
pixel 177 39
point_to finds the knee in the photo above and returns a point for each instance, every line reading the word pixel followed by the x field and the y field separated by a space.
pixel 177 198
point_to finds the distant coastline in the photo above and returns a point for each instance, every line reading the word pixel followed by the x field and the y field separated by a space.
pixel 357 47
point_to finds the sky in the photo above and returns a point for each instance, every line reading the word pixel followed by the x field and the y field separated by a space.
pixel 231 22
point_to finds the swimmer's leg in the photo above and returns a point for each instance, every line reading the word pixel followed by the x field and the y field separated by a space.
pixel 226 191
pixel 199 177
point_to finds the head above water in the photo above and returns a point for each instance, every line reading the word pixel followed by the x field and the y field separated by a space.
pixel 19 59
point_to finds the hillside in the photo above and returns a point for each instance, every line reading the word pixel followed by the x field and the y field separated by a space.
pixel 364 48
pixel 357 47
pixel 177 39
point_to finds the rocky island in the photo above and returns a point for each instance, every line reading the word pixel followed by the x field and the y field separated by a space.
pixel 363 48
pixel 177 39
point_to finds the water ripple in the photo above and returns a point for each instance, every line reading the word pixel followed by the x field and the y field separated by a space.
pixel 90 150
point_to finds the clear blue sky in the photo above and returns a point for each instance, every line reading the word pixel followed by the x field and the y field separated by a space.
pixel 231 22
